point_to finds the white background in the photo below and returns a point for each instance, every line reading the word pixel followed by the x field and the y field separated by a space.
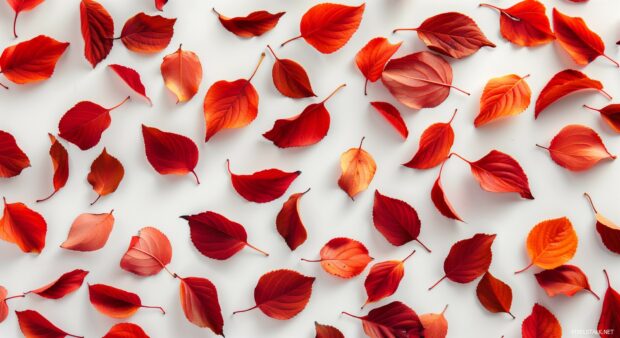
pixel 145 198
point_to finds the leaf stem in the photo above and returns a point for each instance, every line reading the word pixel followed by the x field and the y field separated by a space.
pixel 334 92
pixel 260 60
pixel 587 196
pixel 273 53
pixel 511 315
pixel 404 29
pixel 196 176
pixel 594 294
pixel 606 94
pixel 16 296
pixel 525 268
pixel 453 115
pixel 439 281
pixel 246 310
pixel 216 12
pixel 361 142
pixel 305 192
pixel 15 24
pixel 612 60
pixel 289 40
pixel 228 166
pixel 607 278
pixel 409 256
pixel 3 86
pixel 48 197
pixel 444 309
pixel 120 104
pixel 312 260
pixel 257 249
pixel 154 307
pixel 424 246
pixel 350 315
pixel 459 156
pixel 539 146
pixel 366 87
pixel 591 108
pixel 96 199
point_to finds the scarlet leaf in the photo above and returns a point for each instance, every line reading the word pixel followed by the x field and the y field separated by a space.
pixel 327 26
pixel 343 257
pixel 394 320
pixel 396 220
pixel 419 80
pixel 305 129
pixel 33 60
pixel 64 285
pixel 282 294
pixel 358 169
pixel 290 78
pixel 148 253
pixel 262 186
pixel 551 243
pixel 392 115
pixel 525 23
pixel 200 303
pixel 577 148
pixel 34 325
pixel 441 201
pixel 371 59
pixel 327 331
pixel 289 223
pixel 114 302
pixel 131 79
pixel 4 309
pixel 85 122
pixel 609 322
pixel 97 31
pixel 23 226
pixel 106 173
pixel 182 73
pixel 20 6
pixel 502 97
pixel 230 105
pixel 435 324
pixel 563 83
pixel 494 295
pixel 60 163
pixel 541 324
pixel 383 279
pixel 254 24
pixel 582 44
pixel 126 330
pixel 170 153
pixel 452 34
pixel 435 144
pixel 159 4
pixel 89 232
pixel 610 114
pixel 468 259
pixel 607 230
pixel 12 159
pixel 565 279
pixel 147 34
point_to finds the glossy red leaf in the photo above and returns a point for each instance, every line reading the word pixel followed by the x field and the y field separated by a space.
pixel 159 4
pixel 254 24
pixel 60 164
pixel 106 174
pixel 89 232
pixel 23 226
pixel 182 73
pixel 97 31
pixel 282 294
pixel 607 230
pixel 290 78
pixel 33 60
pixel 468 259
pixel 85 122
pixel 577 148
pixel 126 330
pixel 541 324
pixel 328 26
pixel 384 278
pixel 434 146
pixel 525 23
pixel 262 186
pixel 371 59
pixel 114 302
pixel 21 6
pixel 148 253
pixel 610 114
pixel 609 321
pixel 435 324
pixel 64 285
pixel 343 257
pixel 305 129
pixel 565 279
pixel 327 331
pixel 289 223
pixel 494 295
pixel 34 325
pixel 12 159
pixel 394 320
pixel 440 200
pixel 396 220
pixel 392 115
pixel 147 34
pixel 170 153
pixel 132 79
pixel 200 303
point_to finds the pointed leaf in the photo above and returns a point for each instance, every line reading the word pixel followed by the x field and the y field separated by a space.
pixel 392 115
pixel 343 257
pixel 551 243
pixel 60 164
pixel 610 114
pixel 262 186
pixel 12 159
pixel 525 23
pixel 159 4
pixel 200 303
pixel 64 285
pixel 34 325
pixel 170 153
pixel 565 279
pixel 33 60
pixel 607 230
pixel 289 223
pixel 23 226
pixel 435 324
pixel 504 96
pixel 106 173
pixel 371 59
pixel 541 324
pixel 394 320
pixel 182 73
pixel 435 144
pixel 114 302
pixel 290 78
pixel 396 220
pixel 97 31
pixel 254 24
pixel 609 321
pixel 358 169
pixel 494 295
pixel 440 200
pixel 327 331
pixel 131 79
pixel 89 232
pixel 147 34
pixel 383 279
pixel 148 253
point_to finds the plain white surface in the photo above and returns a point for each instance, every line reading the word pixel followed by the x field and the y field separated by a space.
pixel 145 198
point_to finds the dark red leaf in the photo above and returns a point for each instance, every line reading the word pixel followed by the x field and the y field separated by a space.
pixel 200 304
pixel 97 31
pixel 609 322
pixel 494 295
pixel 290 78
pixel 34 325
pixel 147 34
pixel 12 159
pixel 262 186
pixel 289 224
pixel 64 285
pixel 327 331
pixel 60 164
pixel 396 220
pixel 541 324
pixel 170 153
pixel 254 24
pixel 565 279
pixel 114 302
pixel 441 201
pixel 394 320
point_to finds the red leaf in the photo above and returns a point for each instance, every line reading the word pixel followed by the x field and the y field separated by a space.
pixel 582 44
pixel 305 129
pixel 84 123
pixel 541 324
pixel 262 186
pixel 34 325
pixel 106 173
pixel 563 83
pixel 170 153
pixel 20 6
pixel 607 230
pixel 12 159
pixel 494 295
pixel 435 324
pixel 577 148
pixel 89 232
pixel 468 259
pixel 217 237
pixel 498 172
pixel 200 304
pixel 131 79
pixel 4 309
pixel 254 24
pixel 394 320
pixel 327 26
pixel 182 73
pixel 565 279
pixel 33 60
pixel 371 59
pixel 609 322
pixel 419 80
pixel 289 223
pixel 504 96
pixel 60 163
pixel 383 279
pixel 159 4
pixel 327 331
pixel 290 78
pixel 23 226
pixel 392 115
pixel 452 34
pixel 114 302
pixel 126 330
pixel 343 257
pixel 64 285
pixel 97 31
pixel 610 114
pixel 282 294
pixel 147 34
pixel 148 253
pixel 396 220
pixel 525 23
pixel 435 144
pixel 441 201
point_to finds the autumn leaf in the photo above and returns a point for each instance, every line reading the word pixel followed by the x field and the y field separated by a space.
pixel 31 61
pixel 290 78
pixel 609 321
pixel 565 279
pixel 89 232
pixel 97 31
pixel 494 295
pixel 34 325
pixel 159 4
pixel 541 324
pixel 327 331
pixel 525 23
pixel 396 220
pixel 4 308
pixel 144 33
pixel 610 114
pixel 435 324
pixel 434 146
pixel 262 186
pixel 392 320
pixel 551 243
pixel 23 226
pixel 343 257
pixel 289 223
pixel 106 174
pixel 254 24
pixel 60 164
pixel 504 96
pixel 182 73
pixel 392 115
pixel 371 59
pixel 200 304
pixel 132 79
pixel 440 200
pixel 19 6
pixel 358 169
pixel 607 230
pixel 384 278
pixel 12 159
pixel 114 302
pixel 148 253
pixel 126 330
pixel 170 153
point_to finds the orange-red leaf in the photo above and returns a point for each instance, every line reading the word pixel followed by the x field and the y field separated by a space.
pixel 290 78
pixel 541 324
pixel 60 164
pixel 23 226
pixel 565 279
pixel 289 223
pixel 89 232
pixel 254 24
pixel 392 115
pixel 182 73
pixel 435 144
pixel 609 321
pixel 358 169
pixel 170 153
pixel 131 79
pixel 371 59
pixel 106 173
pixel 126 330
pixel 20 6
pixel 343 257
pixel 435 324
pixel 115 302
pixel 12 159
pixel 34 325
pixel 97 31
pixel 64 285
pixel 4 309
pixel 159 4
pixel 147 34
pixel 394 320
pixel 441 201
pixel 504 96
pixel 327 331
pixel 551 243
pixel 31 61
pixel 525 23
pixel 494 295
pixel 607 230
pixel 200 303
pixel 262 186
pixel 396 220
pixel 384 278
pixel 610 114
pixel 148 253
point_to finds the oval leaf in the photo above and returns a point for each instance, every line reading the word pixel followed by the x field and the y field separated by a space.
pixel 148 253
pixel 541 324
pixel 290 78
pixel 504 96
pixel 89 232
pixel 33 60
pixel 200 304
pixel 182 73
pixel 262 186
pixel 12 159
pixel 23 226
pixel 392 320
pixel 97 31
pixel 435 324
pixel 494 295
pixel 114 302
pixel 254 24
pixel 383 279
pixel 358 169
pixel 170 153
pixel 147 34
pixel 343 257
pixel 551 243
pixel 106 173
pixel 396 220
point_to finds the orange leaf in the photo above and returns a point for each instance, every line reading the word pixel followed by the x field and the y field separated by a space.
pixel 435 324
pixel 60 163
pixel 106 173
pixel 33 60
pixel 541 324
pixel 494 295
pixel 182 73
pixel 343 257
pixel 371 59
pixel 89 232
pixel 254 24
pixel 525 23
pixel 358 169
pixel 200 304
pixel 4 309
pixel 170 153
pixel 23 226
pixel 551 243
pixel 502 97
pixel 435 144
pixel 148 253
pixel 383 279
pixel 12 159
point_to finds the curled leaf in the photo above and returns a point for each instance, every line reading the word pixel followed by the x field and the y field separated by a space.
pixel 60 164
pixel 434 146
pixel 131 79
pixel 97 31
pixel 89 232
pixel 182 73
pixel 23 226
pixel 33 60
pixel 343 257
pixel 607 230
pixel 392 320
pixel 440 200
pixel 610 114
pixel 148 253
pixel 115 302
pixel 565 279
pixel 392 115
pixel 106 174
pixel 64 285
pixel 147 34
pixel 289 223
pixel 34 325
pixel 262 186
pixel 254 24
pixel 551 243
pixel 358 169
pixel 525 23
pixel 12 159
